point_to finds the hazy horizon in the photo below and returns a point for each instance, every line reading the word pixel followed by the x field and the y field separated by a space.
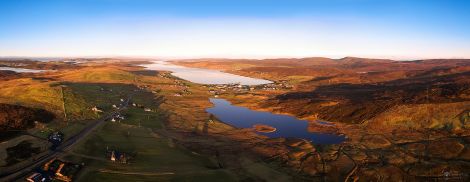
pixel 215 58
pixel 400 30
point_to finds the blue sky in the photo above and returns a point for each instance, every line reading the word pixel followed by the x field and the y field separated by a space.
pixel 399 29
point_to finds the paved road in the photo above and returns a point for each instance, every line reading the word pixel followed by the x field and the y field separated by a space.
pixel 67 145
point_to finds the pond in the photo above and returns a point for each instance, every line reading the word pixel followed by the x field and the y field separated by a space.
pixel 286 126
pixel 21 70
pixel 204 76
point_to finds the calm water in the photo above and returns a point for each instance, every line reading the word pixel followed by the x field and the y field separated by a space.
pixel 21 70
pixel 287 126
pixel 204 76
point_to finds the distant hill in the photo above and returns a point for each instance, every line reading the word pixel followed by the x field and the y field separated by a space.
pixel 364 90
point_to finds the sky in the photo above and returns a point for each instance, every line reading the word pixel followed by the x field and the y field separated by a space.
pixel 396 29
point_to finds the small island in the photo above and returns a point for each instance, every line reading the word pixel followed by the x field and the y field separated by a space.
pixel 264 128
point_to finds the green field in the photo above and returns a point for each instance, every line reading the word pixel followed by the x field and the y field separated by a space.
pixel 154 155
pixel 157 158
pixel 79 99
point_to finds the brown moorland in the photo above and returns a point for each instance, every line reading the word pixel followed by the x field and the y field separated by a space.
pixel 396 114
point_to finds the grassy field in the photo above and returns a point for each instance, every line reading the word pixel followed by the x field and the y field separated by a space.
pixel 139 117
pixel 157 158
pixel 31 93
pixel 155 154
pixel 48 95
pixel 100 74
pixel 80 98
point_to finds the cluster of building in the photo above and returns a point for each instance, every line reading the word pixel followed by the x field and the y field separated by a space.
pixel 277 85
pixel 117 117
pixel 55 169
pixel 238 88
pixel 119 105
pixel 12 64
pixel 119 157
pixel 183 88
pixel 165 75
pixel 218 89
pixel 146 109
